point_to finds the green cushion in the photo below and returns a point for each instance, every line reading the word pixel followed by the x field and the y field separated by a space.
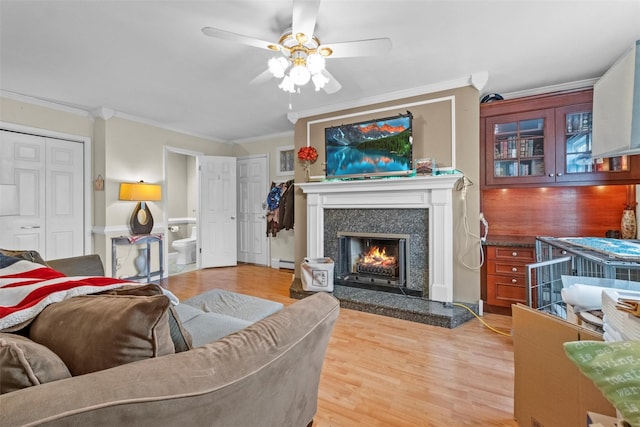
pixel 615 369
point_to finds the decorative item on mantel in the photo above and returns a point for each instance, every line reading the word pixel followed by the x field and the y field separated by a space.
pixel 308 155
pixel 628 226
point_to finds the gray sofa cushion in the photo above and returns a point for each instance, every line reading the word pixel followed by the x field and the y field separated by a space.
pixel 233 304
pixel 217 313
pixel 208 327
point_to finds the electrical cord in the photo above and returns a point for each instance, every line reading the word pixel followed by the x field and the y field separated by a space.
pixel 461 185
pixel 497 331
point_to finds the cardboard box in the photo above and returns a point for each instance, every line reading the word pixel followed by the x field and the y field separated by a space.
pixel 549 389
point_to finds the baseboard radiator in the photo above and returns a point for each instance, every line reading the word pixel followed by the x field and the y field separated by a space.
pixel 283 264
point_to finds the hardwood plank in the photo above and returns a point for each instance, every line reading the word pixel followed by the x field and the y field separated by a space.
pixel 382 371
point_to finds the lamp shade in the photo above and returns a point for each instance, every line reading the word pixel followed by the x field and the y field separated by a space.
pixel 140 191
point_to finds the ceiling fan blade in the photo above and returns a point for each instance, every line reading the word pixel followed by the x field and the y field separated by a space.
pixel 238 38
pixel 305 13
pixel 371 47
pixel 262 77
pixel 332 86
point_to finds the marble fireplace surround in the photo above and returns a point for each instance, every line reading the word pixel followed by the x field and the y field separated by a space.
pixel 420 192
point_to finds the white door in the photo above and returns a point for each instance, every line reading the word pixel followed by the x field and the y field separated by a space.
pixel 252 210
pixel 48 174
pixel 23 163
pixel 63 200
pixel 217 222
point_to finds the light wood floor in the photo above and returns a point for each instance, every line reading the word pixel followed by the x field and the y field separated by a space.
pixel 382 371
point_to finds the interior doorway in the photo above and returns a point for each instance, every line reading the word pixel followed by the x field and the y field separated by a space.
pixel 181 198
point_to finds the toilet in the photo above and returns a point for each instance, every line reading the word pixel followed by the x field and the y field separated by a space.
pixel 186 248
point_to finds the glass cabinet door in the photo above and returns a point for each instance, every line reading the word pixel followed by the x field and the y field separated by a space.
pixel 574 148
pixel 520 144
pixel 578 142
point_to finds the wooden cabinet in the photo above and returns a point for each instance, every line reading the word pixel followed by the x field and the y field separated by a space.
pixel 506 270
pixel 546 140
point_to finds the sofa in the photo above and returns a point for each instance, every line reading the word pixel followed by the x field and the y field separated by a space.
pixel 265 374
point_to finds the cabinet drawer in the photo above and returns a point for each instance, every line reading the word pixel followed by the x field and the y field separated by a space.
pixel 502 291
pixel 524 255
pixel 507 268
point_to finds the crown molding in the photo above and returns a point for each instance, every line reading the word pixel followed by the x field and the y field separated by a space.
pixel 103 113
pixel 477 80
pixel 160 125
pixel 579 84
pixel 289 133
pixel 44 103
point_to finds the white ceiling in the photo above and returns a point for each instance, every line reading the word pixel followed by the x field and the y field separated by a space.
pixel 149 58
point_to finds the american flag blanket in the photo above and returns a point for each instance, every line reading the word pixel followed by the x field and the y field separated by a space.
pixel 26 288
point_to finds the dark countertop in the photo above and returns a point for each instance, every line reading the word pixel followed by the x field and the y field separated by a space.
pixel 513 241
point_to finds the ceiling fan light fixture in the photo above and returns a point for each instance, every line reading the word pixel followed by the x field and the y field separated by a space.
pixel 278 66
pixel 319 81
pixel 287 84
pixel 315 63
pixel 300 74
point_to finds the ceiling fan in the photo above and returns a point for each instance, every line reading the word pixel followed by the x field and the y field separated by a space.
pixel 300 56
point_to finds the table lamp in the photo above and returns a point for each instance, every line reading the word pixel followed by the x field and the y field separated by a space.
pixel 141 221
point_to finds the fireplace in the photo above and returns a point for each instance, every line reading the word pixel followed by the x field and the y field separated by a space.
pixel 379 201
pixel 418 207
pixel 374 261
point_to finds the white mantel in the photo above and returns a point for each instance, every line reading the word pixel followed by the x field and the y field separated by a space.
pixel 420 192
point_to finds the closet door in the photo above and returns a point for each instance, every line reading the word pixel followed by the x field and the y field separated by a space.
pixel 23 164
pixel 64 199
pixel 48 174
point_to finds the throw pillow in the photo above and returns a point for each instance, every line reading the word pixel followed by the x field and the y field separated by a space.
pixel 615 369
pixel 24 363
pixel 32 256
pixel 95 332
pixel 181 338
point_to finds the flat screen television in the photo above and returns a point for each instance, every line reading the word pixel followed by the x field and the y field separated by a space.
pixel 380 147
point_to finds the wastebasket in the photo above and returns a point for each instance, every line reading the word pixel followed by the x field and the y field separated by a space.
pixel 317 274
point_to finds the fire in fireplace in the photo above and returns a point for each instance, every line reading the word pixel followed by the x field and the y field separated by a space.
pixel 374 261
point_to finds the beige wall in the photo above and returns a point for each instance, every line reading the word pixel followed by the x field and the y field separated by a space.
pixel 282 246
pixel 122 150
pixel 431 138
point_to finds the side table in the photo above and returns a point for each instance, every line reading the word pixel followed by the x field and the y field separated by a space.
pixel 147 239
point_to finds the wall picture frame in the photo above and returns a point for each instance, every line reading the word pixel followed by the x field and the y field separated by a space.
pixel 285 160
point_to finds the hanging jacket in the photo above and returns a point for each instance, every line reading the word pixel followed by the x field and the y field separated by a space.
pixel 286 209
